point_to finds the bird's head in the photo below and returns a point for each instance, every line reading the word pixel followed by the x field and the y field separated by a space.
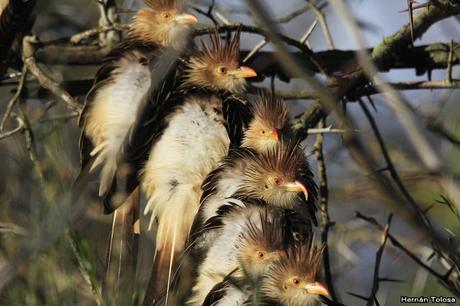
pixel 262 244
pixel 274 176
pixel 218 67
pixel 294 279
pixel 269 118
pixel 163 22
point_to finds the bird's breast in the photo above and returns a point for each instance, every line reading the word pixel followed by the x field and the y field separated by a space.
pixel 193 143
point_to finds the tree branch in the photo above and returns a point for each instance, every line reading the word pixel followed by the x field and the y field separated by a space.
pixel 42 78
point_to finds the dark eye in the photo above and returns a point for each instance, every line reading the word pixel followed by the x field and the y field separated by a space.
pixel 262 131
pixel 277 181
pixel 296 281
pixel 222 70
pixel 260 255
pixel 266 186
pixel 166 15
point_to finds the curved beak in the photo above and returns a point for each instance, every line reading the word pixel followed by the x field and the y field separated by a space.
pixel 243 72
pixel 317 288
pixel 275 134
pixel 297 187
pixel 186 19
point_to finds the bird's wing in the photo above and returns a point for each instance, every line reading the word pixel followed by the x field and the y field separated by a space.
pixel 209 188
pixel 237 114
pixel 105 75
pixel 160 100
pixel 305 175
pixel 220 289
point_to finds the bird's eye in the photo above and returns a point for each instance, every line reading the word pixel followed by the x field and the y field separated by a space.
pixel 296 281
pixel 166 15
pixel 222 70
pixel 260 255
pixel 262 132
pixel 277 181
pixel 266 186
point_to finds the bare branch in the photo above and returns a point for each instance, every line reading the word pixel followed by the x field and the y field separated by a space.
pixel 13 100
pixel 451 286
pixel 378 260
pixel 42 78
pixel 324 213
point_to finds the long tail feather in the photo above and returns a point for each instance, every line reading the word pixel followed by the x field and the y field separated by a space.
pixel 122 253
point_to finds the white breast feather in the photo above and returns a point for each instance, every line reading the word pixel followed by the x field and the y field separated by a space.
pixel 221 258
pixel 190 148
pixel 113 112
pixel 234 297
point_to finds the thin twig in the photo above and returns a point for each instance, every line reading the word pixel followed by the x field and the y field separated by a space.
pixel 42 78
pixel 324 213
pixel 378 260
pixel 326 130
pixel 13 100
pixel 390 166
pixel 256 49
pixel 79 37
pixel 287 18
pixel 17 129
pixel 324 26
pixel 441 277
pixel 309 31
pixel 30 142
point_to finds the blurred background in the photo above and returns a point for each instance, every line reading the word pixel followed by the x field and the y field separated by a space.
pixel 37 262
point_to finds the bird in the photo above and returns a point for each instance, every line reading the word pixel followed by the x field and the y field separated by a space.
pixel 294 280
pixel 122 81
pixel 280 176
pixel 110 111
pixel 252 238
pixel 267 123
pixel 190 134
pixel 259 246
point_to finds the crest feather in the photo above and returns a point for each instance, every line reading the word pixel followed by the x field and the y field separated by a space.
pixel 270 108
pixel 267 232
pixel 162 4
pixel 222 52
pixel 301 261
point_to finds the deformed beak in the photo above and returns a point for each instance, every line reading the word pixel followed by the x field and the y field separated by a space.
pixel 317 288
pixel 186 19
pixel 275 134
pixel 297 187
pixel 243 72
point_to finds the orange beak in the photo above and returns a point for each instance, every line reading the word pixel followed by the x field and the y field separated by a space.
pixel 243 72
pixel 275 135
pixel 316 288
pixel 297 187
pixel 186 19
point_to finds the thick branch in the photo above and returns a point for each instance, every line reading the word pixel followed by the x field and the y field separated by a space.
pixel 422 58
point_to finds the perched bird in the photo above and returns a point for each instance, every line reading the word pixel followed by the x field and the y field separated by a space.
pixel 189 135
pixel 267 124
pixel 294 279
pixel 252 237
pixel 123 80
pixel 279 176
pixel 120 87
pixel 259 246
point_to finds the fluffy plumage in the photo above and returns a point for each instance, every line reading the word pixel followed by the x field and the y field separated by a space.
pixel 250 239
pixel 122 82
pixel 189 138
pixel 266 176
pixel 268 123
pixel 294 279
